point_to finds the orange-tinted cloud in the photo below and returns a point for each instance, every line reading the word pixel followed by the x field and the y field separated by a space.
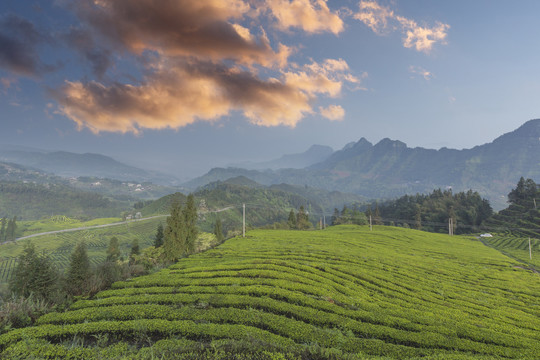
pixel 189 91
pixel 333 112
pixel 200 63
pixel 312 16
pixel 382 19
pixel 204 29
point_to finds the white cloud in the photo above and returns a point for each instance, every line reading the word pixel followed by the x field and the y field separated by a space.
pixel 382 19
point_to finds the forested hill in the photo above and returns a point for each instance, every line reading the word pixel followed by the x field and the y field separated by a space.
pixel 390 168
pixel 522 216
pixel 33 201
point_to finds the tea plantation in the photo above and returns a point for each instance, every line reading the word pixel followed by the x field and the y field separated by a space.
pixel 342 293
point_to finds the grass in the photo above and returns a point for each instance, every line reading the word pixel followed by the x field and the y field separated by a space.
pixel 342 293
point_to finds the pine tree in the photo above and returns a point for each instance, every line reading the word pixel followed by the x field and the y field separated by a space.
pixel 79 271
pixel 3 230
pixel 158 240
pixel 35 274
pixel 302 220
pixel 217 230
pixel 418 217
pixel 174 234
pixel 11 229
pixel 135 249
pixel 113 251
pixel 336 217
pixel 190 221
pixel 291 222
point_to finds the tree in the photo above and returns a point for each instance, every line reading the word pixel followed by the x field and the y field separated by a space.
pixel 190 221
pixel 3 230
pixel 217 230
pixel 11 229
pixel 418 217
pixel 174 233
pixel 158 240
pixel 78 271
pixel 291 222
pixel 336 218
pixel 302 220
pixel 35 274
pixel 135 249
pixel 113 251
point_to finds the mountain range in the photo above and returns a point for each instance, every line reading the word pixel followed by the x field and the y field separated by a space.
pixel 68 164
pixel 390 168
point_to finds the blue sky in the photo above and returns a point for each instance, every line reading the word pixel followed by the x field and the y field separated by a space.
pixel 183 86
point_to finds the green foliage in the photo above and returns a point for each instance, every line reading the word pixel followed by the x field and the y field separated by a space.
pixel 349 216
pixel 158 239
pixel 343 293
pixel 113 251
pixel 79 271
pixel 135 248
pixel 175 233
pixel 431 212
pixel 302 219
pixel 522 216
pixel 218 231
pixel 32 201
pixel 291 221
pixel 34 275
pixel 190 222
pixel 17 312
pixel 181 231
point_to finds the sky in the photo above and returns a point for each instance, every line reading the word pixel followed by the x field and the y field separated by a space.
pixel 182 86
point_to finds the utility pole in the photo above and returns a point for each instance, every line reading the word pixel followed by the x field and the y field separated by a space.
pixel 451 227
pixel 324 221
pixel 243 220
pixel 370 224
pixel 320 223
pixel 530 250
pixel 534 203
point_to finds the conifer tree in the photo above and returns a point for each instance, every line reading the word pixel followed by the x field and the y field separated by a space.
pixel 158 240
pixel 35 274
pixel 336 217
pixel 291 222
pixel 3 230
pixel 217 230
pixel 190 221
pixel 113 251
pixel 302 220
pixel 174 233
pixel 135 249
pixel 79 270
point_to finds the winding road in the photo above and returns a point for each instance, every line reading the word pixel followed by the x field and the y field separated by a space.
pixel 88 227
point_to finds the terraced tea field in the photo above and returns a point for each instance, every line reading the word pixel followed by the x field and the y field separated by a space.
pixel 342 293
pixel 517 247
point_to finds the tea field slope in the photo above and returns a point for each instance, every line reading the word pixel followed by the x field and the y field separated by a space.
pixel 342 293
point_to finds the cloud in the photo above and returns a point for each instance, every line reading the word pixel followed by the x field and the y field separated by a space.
pixel 19 39
pixel 198 62
pixel 204 29
pixel 374 15
pixel 312 16
pixel 383 20
pixel 333 112
pixel 83 42
pixel 177 94
pixel 418 70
